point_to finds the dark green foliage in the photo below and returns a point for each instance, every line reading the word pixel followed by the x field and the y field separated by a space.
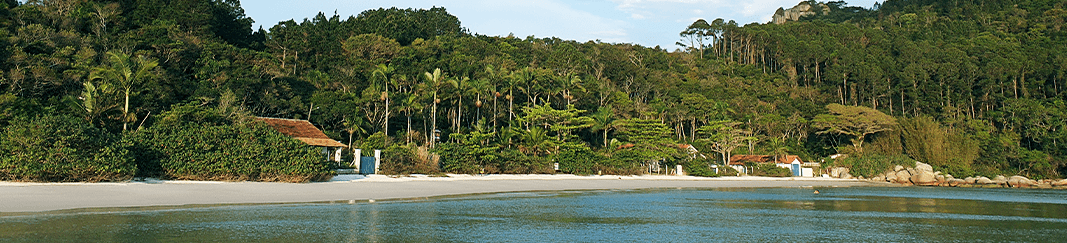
pixel 991 73
pixel 767 169
pixel 512 161
pixel 871 165
pixel 406 160
pixel 406 25
pixel 580 161
pixel 60 148
pixel 700 167
pixel 627 162
pixel 469 155
pixel 925 140
pixel 193 142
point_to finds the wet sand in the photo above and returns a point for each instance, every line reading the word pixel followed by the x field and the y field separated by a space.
pixel 42 197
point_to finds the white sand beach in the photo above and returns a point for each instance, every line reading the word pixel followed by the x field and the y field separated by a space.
pixel 18 197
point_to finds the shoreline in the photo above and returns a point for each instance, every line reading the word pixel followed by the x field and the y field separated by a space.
pixel 31 198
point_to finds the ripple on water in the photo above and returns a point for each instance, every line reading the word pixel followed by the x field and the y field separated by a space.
pixel 673 215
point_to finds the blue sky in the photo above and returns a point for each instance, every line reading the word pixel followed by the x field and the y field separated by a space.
pixel 644 22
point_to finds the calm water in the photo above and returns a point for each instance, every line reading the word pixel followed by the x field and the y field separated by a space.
pixel 663 215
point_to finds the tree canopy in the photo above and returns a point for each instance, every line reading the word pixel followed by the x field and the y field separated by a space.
pixel 991 75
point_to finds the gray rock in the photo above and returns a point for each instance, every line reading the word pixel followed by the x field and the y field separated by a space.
pixel 903 177
pixel 846 175
pixel 839 172
pixel 940 178
pixel 898 168
pixel 923 166
pixel 1000 179
pixel 891 177
pixel 1020 181
pixel 949 177
pixel 1060 183
pixel 970 180
pixel 983 180
pixel 956 182
pixel 924 178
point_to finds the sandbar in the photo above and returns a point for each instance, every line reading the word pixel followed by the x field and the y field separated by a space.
pixel 16 197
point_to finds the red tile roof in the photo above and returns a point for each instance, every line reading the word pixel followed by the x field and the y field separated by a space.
pixel 301 130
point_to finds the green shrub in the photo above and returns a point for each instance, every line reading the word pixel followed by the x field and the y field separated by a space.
pixel 727 171
pixel 870 165
pixel 512 161
pixel 699 167
pixel 59 148
pixel 406 160
pixel 190 149
pixel 468 155
pixel 625 162
pixel 579 161
pixel 958 170
pixel 768 169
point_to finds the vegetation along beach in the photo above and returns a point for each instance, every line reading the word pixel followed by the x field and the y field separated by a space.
pixel 139 103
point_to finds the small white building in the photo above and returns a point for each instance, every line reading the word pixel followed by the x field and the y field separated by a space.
pixel 791 162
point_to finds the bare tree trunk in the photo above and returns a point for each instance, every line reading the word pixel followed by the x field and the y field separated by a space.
pixel 433 126
pixel 126 110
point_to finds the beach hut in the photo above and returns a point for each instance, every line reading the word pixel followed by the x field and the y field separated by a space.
pixel 306 132
pixel 791 162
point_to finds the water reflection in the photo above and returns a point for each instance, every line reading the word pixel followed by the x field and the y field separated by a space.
pixel 675 215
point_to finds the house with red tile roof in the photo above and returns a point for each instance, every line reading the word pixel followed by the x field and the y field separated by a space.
pixel 306 132
pixel 791 162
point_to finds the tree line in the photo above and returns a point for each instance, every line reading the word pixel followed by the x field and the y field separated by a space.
pixel 972 88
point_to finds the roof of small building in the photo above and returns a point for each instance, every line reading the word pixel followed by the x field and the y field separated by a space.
pixel 741 159
pixel 301 130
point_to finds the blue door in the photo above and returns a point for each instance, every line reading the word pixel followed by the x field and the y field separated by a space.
pixel 796 169
pixel 366 165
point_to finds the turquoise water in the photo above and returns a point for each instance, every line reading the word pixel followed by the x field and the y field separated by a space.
pixel 857 214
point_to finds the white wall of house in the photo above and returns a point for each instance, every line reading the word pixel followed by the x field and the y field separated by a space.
pixel 740 168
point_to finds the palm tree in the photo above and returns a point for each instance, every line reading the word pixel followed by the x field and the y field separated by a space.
pixel 433 83
pixel 570 82
pixel 408 106
pixel 525 82
pixel 125 73
pixel 384 71
pixel 511 82
pixel 460 85
pixel 352 126
pixel 479 87
pixel 494 78
pixel 93 102
pixel 778 147
pixel 604 120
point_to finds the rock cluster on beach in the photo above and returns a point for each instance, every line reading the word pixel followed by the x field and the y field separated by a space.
pixel 924 175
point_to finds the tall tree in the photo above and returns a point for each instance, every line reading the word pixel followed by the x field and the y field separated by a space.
pixel 695 36
pixel 384 73
pixel 855 121
pixel 125 72
pixel 724 137
pixel 433 83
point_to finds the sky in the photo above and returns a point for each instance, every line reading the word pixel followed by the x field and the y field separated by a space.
pixel 644 22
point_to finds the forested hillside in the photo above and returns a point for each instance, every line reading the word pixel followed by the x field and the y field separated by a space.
pixel 971 87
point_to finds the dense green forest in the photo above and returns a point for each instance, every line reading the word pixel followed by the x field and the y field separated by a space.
pixel 106 90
